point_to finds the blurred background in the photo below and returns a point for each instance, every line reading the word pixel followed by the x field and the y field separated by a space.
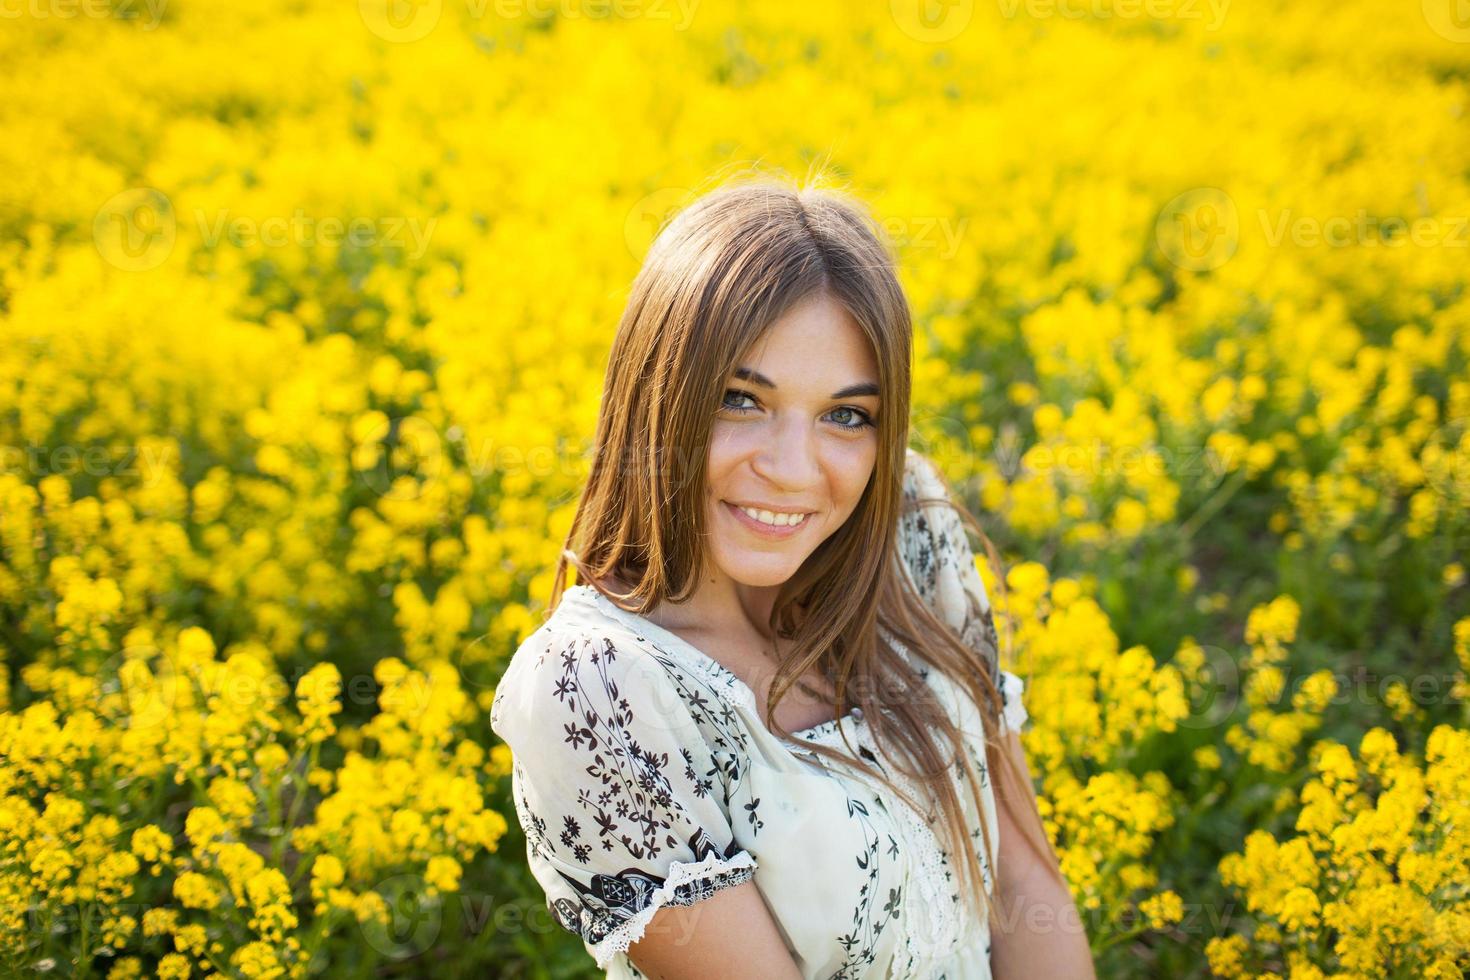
pixel 304 309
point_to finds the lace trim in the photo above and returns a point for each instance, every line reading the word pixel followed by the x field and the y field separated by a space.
pixel 1015 715
pixel 685 884
pixel 933 927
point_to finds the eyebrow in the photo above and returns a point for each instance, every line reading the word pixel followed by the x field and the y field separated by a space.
pixel 851 391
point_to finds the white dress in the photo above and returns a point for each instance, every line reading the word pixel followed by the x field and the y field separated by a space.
pixel 643 776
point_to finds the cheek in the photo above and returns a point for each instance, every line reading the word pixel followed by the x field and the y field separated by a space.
pixel 729 441
pixel 728 446
pixel 852 468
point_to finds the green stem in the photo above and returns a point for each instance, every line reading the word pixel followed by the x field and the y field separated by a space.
pixel 297 800
pixel 84 965
pixel 318 932
pixel 301 792
pixel 1121 937
pixel 273 807
pixel 1208 509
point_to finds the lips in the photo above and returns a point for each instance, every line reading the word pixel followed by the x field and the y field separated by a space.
pixel 761 528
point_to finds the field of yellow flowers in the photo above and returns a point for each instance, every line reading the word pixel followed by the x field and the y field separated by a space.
pixel 303 306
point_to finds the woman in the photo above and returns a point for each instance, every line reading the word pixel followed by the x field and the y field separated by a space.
pixel 758 739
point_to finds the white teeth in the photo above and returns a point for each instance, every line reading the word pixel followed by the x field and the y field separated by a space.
pixel 777 520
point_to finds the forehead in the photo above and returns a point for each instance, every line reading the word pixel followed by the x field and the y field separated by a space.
pixel 813 343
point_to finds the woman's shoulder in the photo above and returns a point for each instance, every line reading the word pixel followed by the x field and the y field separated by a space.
pixel 571 642
pixel 921 476
pixel 581 667
pixel 931 535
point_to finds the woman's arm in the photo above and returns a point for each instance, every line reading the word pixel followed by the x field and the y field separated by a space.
pixel 727 936
pixel 1035 930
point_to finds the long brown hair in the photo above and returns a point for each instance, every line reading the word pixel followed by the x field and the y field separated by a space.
pixel 716 277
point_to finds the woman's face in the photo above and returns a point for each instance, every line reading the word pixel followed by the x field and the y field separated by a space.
pixel 796 436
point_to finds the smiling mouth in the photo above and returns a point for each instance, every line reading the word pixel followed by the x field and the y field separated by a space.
pixel 773 519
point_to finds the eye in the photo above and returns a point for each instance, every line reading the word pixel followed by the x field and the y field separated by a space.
pixel 863 419
pixel 857 418
pixel 725 402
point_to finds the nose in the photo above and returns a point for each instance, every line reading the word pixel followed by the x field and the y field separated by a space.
pixel 789 459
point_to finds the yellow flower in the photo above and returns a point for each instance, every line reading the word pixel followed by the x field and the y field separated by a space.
pixel 232 799
pixel 1379 751
pixel 1316 692
pixel 1022 393
pixel 1226 955
pixel 174 966
pixel 1299 909
pixel 195 891
pixel 316 699
pixel 1163 909
pixel 150 842
pixel 191 939
pixel 1273 623
pixel 443 873
pixel 327 870
pixel 126 968
pixel 202 826
pixel 158 922
pixel 1130 518
pixel 117 930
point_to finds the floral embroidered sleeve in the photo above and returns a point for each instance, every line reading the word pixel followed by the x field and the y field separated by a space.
pixel 618 793
pixel 938 557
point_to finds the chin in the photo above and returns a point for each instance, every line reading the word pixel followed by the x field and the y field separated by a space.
pixel 757 574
